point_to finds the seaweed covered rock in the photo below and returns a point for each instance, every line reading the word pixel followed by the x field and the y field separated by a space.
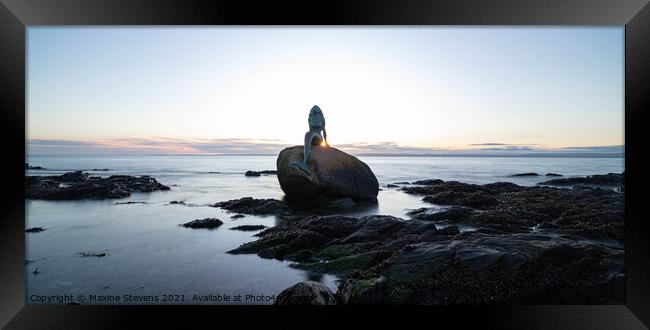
pixel 533 245
pixel 507 207
pixel 605 180
pixel 78 185
pixel 383 259
pixel 363 288
pixel 334 173
pixel 250 205
pixel 209 223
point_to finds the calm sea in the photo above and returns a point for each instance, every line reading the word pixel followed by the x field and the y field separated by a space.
pixel 147 254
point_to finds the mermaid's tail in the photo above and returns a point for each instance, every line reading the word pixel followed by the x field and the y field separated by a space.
pixel 302 166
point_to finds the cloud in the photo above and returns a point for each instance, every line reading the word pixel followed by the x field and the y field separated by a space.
pixel 501 144
pixel 508 148
pixel 155 146
pixel 615 148
pixel 161 145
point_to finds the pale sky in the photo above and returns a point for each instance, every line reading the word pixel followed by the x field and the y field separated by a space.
pixel 399 87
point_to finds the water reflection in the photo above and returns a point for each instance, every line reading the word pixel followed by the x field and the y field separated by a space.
pixel 332 206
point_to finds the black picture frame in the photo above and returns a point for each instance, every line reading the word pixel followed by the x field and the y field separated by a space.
pixel 16 15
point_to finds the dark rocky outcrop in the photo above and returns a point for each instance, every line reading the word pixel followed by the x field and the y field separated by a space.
pixel 383 259
pixel 453 214
pixel 553 174
pixel 333 174
pixel 250 205
pixel 209 223
pixel 607 180
pixel 34 230
pixel 249 227
pixel 306 293
pixel 525 174
pixel 591 211
pixel 512 269
pixel 428 182
pixel 78 185
pixel 259 173
pixel 457 193
pixel 30 167
pixel 532 245
pixel 363 288
pixel 92 254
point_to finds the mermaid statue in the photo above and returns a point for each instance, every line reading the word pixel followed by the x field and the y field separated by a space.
pixel 313 137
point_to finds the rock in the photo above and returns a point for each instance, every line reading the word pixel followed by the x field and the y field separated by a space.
pixel 449 230
pixel 321 203
pixel 455 193
pixel 479 200
pixel 237 216
pixel 333 174
pixel 306 293
pixel 526 174
pixel 280 242
pixel 92 254
pixel 615 287
pixel 249 205
pixel 383 259
pixel 100 170
pixel 502 229
pixel 76 176
pixel 517 269
pixel 209 223
pixel 29 167
pixel 609 179
pixel 595 212
pixel 362 288
pixel 177 202
pixel 35 230
pixel 259 173
pixel 77 185
pixel 248 227
pixel 428 182
pixel 501 187
pixel 452 214
pixel 432 235
pixel 344 265
pixel 577 258
pixel 553 174
pixel 390 185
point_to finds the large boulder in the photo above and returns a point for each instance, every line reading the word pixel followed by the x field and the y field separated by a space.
pixel 334 174
pixel 306 293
